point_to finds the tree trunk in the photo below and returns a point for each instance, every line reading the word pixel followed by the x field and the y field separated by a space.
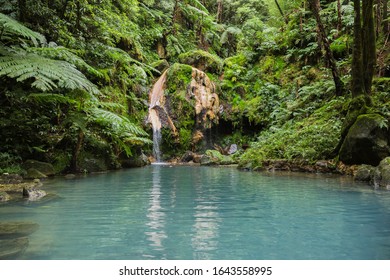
pixel 22 10
pixel 219 11
pixel 369 47
pixel 281 11
pixel 314 6
pixel 357 53
pixel 385 16
pixel 76 151
pixel 175 16
pixel 339 22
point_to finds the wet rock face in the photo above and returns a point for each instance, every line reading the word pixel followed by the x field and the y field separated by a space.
pixel 377 176
pixel 367 141
pixel 202 90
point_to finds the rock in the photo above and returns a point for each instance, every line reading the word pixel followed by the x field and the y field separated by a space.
pixel 364 173
pixel 136 161
pixel 33 173
pixel 367 141
pixel 10 230
pixel 43 167
pixel 207 160
pixel 187 157
pixel 213 157
pixel 202 60
pixel 10 178
pixel 160 65
pixel 12 248
pixel 232 149
pixel 33 193
pixel 384 171
pixel 90 164
pixel 4 197
pixel 70 176
pixel 197 158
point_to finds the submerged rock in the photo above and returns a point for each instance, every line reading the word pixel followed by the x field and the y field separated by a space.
pixel 367 141
pixel 17 229
pixel 4 196
pixel 12 248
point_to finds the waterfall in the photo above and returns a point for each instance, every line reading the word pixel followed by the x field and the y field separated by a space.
pixel 155 96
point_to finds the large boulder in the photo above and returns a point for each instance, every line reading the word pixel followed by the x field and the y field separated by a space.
pixel 42 167
pixel 367 141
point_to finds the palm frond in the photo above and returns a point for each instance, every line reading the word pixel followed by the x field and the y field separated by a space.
pixel 11 28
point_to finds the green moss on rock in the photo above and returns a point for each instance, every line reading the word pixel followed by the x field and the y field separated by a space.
pixel 202 60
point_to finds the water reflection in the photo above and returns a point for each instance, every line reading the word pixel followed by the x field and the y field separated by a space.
pixel 206 226
pixel 156 233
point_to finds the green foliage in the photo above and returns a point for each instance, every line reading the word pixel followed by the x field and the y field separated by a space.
pixel 10 29
pixel 202 60
pixel 312 138
pixel 47 74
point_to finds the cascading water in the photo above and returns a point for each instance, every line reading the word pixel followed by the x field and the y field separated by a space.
pixel 200 93
pixel 155 101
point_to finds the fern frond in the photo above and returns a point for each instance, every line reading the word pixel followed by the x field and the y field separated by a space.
pixel 65 54
pixel 117 122
pixel 12 28
pixel 44 98
pixel 48 74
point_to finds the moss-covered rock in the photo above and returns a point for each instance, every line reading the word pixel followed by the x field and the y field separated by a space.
pixel 367 141
pixel 42 167
pixel 384 171
pixel 364 173
pixel 4 196
pixel 160 65
pixel 32 173
pixel 214 157
pixel 202 60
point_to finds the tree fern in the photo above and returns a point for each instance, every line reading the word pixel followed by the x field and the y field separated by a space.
pixel 61 53
pixel 10 28
pixel 47 74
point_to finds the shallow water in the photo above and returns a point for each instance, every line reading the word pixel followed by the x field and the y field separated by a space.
pixel 183 212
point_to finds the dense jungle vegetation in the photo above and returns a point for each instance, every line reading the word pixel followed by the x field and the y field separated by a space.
pixel 292 76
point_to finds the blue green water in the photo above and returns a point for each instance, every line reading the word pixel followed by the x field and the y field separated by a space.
pixel 183 212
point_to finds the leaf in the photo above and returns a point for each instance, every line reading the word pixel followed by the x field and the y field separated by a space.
pixel 13 27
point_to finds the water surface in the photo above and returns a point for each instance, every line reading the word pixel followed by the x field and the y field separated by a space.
pixel 184 212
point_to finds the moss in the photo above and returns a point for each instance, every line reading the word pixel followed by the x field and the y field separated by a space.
pixel 202 60
pixel 161 65
pixel 179 76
